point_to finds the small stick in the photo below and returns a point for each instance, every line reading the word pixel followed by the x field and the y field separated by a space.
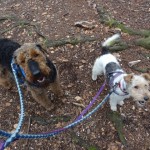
pixel 132 63
pixel 80 105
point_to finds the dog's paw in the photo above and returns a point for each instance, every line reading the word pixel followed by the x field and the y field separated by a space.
pixel 8 85
pixel 61 94
pixel 94 77
pixel 113 108
pixel 50 108
pixel 121 103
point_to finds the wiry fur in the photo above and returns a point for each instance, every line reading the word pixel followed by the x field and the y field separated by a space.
pixel 137 86
pixel 38 85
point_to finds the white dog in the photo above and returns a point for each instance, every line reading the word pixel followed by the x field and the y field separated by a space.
pixel 128 85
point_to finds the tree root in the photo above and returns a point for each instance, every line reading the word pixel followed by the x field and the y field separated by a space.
pixel 3 18
pixel 72 40
pixel 146 70
pixel 144 42
pixel 53 120
pixel 83 143
pixel 115 117
pixel 47 42
pixel 106 19
pixel 119 46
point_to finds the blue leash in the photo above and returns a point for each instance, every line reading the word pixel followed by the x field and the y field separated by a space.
pixel 16 135
pixel 21 118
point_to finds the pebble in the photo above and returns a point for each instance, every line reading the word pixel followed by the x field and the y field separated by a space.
pixel 78 98
pixel 88 131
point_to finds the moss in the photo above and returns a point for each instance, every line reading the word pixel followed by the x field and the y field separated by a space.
pixel 72 40
pixel 106 19
pixel 115 117
pixel 144 42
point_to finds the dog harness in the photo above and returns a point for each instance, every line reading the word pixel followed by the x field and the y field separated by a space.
pixel 20 73
pixel 113 71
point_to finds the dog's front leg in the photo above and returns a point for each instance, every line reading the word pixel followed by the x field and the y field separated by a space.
pixel 56 88
pixel 113 102
pixel 5 79
pixel 41 97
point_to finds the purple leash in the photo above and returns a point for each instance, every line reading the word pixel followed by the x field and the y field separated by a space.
pixel 2 145
pixel 78 118
pixel 84 111
pixel 92 102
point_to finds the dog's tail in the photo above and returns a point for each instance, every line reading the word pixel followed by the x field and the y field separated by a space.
pixel 110 41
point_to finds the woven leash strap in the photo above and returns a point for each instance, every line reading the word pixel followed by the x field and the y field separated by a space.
pixel 13 136
pixel 80 118
pixel 57 131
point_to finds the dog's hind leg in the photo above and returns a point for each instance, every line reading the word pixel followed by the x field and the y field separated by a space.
pixel 5 79
pixel 97 69
pixel 56 88
pixel 113 102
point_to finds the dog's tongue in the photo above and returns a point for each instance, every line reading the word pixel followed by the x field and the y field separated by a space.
pixel 41 79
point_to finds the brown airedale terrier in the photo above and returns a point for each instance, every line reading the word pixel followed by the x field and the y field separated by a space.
pixel 35 69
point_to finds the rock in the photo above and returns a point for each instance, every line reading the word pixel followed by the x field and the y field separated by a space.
pixel 113 146
pixel 8 104
pixel 88 131
pixel 78 98
pixel 15 126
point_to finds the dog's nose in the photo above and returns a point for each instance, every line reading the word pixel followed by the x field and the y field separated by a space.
pixel 146 98
pixel 34 67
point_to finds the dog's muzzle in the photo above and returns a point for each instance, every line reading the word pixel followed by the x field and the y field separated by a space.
pixel 34 68
pixel 142 102
pixel 38 77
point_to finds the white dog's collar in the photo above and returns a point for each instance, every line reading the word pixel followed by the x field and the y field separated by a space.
pixel 122 86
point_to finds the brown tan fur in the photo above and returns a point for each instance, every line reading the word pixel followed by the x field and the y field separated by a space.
pixel 5 78
pixel 21 56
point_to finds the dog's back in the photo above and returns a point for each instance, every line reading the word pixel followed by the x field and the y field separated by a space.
pixel 7 48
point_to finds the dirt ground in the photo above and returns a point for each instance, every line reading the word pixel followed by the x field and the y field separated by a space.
pixel 56 19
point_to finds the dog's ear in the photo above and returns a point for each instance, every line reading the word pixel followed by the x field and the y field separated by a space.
pixel 39 46
pixel 128 78
pixel 146 76
pixel 15 57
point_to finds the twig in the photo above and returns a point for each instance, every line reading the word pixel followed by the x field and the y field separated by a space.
pixel 47 42
pixel 132 63
pixel 146 70
pixel 77 104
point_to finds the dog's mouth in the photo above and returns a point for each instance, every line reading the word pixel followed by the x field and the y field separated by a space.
pixel 41 79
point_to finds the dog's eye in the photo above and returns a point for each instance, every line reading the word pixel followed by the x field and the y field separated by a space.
pixel 39 46
pixel 23 61
pixel 136 87
pixel 36 55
